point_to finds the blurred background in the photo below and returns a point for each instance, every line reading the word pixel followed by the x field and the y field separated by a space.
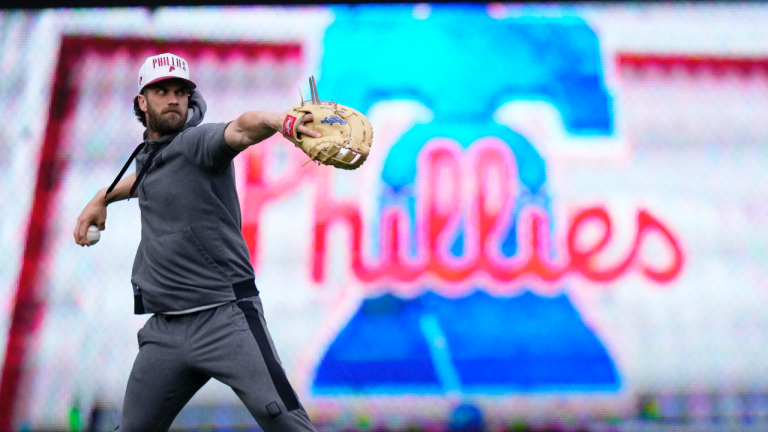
pixel 563 224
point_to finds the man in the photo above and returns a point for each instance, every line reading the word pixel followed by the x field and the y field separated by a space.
pixel 192 267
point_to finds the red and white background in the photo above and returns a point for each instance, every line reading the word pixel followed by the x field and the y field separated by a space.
pixel 683 323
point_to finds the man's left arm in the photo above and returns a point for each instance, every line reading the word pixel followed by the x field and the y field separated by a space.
pixel 256 126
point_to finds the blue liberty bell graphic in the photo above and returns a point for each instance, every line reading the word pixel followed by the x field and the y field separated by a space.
pixel 463 65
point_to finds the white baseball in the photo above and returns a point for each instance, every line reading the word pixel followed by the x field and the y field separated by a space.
pixel 93 234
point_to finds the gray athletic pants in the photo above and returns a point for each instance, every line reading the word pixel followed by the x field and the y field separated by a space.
pixel 178 354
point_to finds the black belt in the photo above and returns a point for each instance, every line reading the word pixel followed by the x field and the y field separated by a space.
pixel 243 289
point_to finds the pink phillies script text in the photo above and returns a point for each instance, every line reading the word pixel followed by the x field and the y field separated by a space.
pixel 474 190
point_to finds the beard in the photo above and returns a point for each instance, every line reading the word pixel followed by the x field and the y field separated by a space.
pixel 167 122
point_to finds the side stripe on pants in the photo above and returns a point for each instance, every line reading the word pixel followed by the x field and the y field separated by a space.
pixel 276 372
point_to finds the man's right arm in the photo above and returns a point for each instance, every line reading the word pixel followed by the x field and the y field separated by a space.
pixel 95 212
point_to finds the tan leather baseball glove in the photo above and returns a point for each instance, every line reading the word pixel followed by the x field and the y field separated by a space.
pixel 346 134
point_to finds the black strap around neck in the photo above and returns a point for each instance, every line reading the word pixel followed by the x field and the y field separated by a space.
pixel 144 169
pixel 122 171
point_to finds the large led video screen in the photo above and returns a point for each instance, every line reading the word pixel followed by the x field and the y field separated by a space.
pixel 564 212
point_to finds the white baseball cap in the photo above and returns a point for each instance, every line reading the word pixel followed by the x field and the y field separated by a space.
pixel 163 66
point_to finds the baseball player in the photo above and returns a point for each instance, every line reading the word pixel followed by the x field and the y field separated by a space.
pixel 192 269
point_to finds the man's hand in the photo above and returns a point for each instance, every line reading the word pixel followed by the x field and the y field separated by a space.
pixel 256 126
pixel 303 129
pixel 95 213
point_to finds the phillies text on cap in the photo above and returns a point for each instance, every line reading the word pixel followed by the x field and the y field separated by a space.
pixel 163 66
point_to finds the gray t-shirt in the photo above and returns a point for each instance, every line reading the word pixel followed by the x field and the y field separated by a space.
pixel 192 251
